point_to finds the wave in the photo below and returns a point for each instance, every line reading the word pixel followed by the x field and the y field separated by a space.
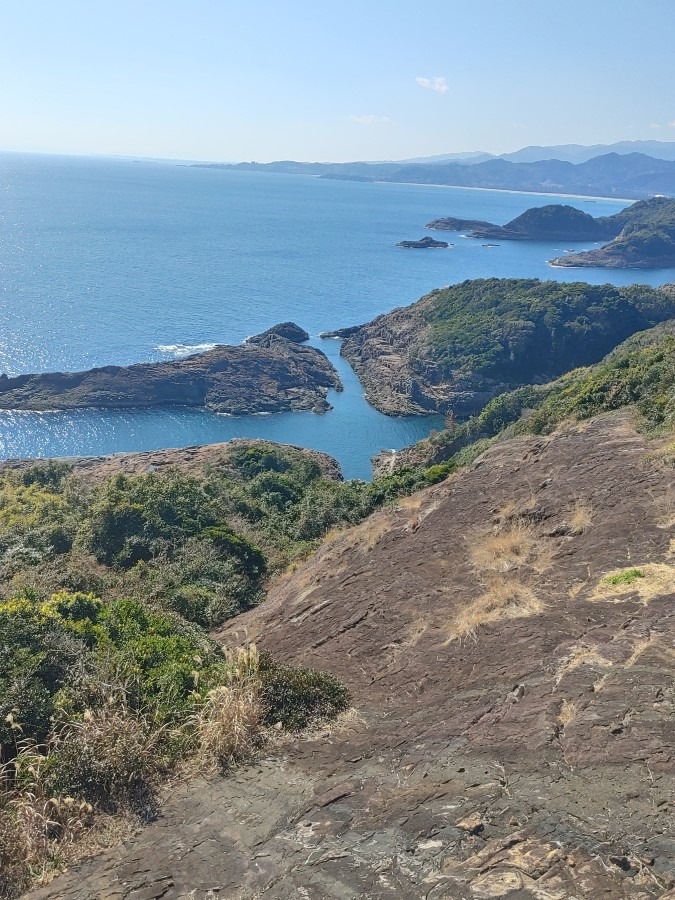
pixel 184 349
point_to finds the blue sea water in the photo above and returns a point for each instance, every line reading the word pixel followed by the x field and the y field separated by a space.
pixel 117 261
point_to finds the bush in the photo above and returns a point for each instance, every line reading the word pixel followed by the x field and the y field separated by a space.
pixel 298 697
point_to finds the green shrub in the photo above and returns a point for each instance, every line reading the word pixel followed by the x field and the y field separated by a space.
pixel 298 697
pixel 628 576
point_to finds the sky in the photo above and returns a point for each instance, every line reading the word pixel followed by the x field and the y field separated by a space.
pixel 375 79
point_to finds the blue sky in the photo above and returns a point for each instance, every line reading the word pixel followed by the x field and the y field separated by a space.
pixel 378 79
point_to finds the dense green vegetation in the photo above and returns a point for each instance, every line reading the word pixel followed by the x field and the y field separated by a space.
pixel 640 373
pixel 519 330
pixel 199 547
pixel 108 677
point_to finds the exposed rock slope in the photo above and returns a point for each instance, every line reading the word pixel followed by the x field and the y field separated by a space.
pixel 533 758
pixel 268 374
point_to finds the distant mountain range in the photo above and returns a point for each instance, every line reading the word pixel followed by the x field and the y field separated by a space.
pixel 626 175
pixel 575 153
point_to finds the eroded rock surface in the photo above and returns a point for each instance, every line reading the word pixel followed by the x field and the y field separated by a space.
pixel 530 759
pixel 268 374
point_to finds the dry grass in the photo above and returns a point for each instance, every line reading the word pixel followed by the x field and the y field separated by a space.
pixel 567 714
pixel 372 530
pixel 657 580
pixel 581 518
pixel 638 649
pixel 113 757
pixel 503 550
pixel 39 833
pixel 504 598
pixel 229 723
pixel 517 509
pixel 664 505
pixel 581 655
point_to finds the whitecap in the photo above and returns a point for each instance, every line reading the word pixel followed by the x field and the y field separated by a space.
pixel 184 349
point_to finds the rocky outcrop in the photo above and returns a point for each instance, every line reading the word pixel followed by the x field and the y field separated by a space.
pixel 531 760
pixel 457 348
pixel 425 243
pixel 287 330
pixel 268 374
pixel 191 460
pixel 634 248
pixel 554 222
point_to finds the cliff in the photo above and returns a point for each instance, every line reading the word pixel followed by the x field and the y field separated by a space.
pixel 636 247
pixel 458 347
pixel 267 374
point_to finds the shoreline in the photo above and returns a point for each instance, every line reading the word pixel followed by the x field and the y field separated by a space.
pixel 460 187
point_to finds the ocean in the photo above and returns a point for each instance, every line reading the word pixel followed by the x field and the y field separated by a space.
pixel 111 261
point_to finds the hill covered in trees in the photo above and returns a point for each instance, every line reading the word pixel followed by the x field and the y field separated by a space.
pixel 458 347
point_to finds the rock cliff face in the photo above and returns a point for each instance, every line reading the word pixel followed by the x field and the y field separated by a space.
pixel 268 374
pixel 634 248
pixel 529 759
pixel 457 348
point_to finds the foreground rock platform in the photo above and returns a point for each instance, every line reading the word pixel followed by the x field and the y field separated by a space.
pixel 531 759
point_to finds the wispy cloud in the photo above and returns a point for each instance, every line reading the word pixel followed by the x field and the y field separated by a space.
pixel 370 120
pixel 671 124
pixel 433 84
pixel 667 125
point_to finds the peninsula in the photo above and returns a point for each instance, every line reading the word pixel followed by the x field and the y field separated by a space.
pixel 457 348
pixel 269 373
pixel 641 236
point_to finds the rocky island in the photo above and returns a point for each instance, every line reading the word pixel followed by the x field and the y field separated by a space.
pixel 458 347
pixel 271 372
pixel 545 223
pixel 423 244
pixel 641 236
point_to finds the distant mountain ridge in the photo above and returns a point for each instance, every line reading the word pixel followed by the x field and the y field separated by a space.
pixel 574 153
pixel 625 175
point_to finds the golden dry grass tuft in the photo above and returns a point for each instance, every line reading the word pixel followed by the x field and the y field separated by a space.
pixel 229 723
pixel 504 598
pixel 581 518
pixel 39 833
pixel 567 714
pixel 502 550
pixel 664 505
pixel 581 655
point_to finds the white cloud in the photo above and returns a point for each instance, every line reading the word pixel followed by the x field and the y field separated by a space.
pixel 671 124
pixel 654 125
pixel 370 120
pixel 433 84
